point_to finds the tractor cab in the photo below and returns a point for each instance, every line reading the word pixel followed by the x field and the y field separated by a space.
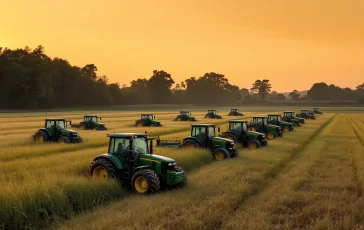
pixel 276 119
pixel 238 132
pixel 211 113
pixel 290 116
pixel 235 112
pixel 316 111
pixel 93 122
pixel 130 159
pixel 185 116
pixel 204 136
pixel 55 130
pixel 260 124
pixel 305 113
pixel 147 120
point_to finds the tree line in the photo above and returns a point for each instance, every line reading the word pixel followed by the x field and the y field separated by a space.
pixel 30 79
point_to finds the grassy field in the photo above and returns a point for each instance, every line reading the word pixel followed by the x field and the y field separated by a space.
pixel 310 178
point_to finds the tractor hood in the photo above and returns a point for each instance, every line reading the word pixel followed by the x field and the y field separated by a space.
pixel 155 121
pixel 221 139
pixel 99 123
pixel 65 131
pixel 274 126
pixel 155 157
pixel 254 134
pixel 286 123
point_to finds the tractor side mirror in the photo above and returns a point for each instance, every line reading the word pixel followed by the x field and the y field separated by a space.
pixel 218 129
pixel 154 117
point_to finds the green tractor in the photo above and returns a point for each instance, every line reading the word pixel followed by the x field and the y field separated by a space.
pixel 55 130
pixel 90 122
pixel 317 111
pixel 235 112
pixel 290 116
pixel 307 114
pixel 238 132
pixel 260 124
pixel 185 116
pixel 276 119
pixel 147 120
pixel 212 114
pixel 204 136
pixel 130 161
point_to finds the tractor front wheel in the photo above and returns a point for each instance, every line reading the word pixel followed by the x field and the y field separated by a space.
pixel 271 135
pixel 190 143
pixel 145 182
pixel 254 144
pixel 230 136
pixel 103 168
pixel 63 139
pixel 41 137
pixel 220 154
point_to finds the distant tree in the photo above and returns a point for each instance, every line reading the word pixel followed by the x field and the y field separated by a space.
pixel 244 92
pixel 262 88
pixel 89 71
pixel 159 86
pixel 294 95
pixel 360 87
pixel 318 91
pixel 280 97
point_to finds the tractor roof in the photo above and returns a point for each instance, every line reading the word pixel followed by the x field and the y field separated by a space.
pixel 212 110
pixel 274 115
pixel 237 121
pixel 202 125
pixel 235 109
pixel 288 111
pixel 57 119
pixel 149 114
pixel 259 117
pixel 121 135
pixel 90 116
pixel 184 111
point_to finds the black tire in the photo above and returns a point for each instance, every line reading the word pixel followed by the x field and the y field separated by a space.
pixel 64 139
pixel 271 132
pixel 111 170
pixel 153 183
pixel 79 139
pixel 41 134
pixel 188 142
pixel 219 152
pixel 230 136
pixel 255 143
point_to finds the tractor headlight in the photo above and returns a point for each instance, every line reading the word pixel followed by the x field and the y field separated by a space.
pixel 171 164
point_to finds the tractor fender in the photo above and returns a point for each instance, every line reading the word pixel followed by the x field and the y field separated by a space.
pixel 231 132
pixel 46 131
pixel 112 158
pixel 193 138
pixel 215 147
pixel 139 168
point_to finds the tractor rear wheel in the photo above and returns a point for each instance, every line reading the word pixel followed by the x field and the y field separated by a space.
pixel 271 135
pixel 145 182
pixel 103 168
pixel 41 137
pixel 190 143
pixel 63 139
pixel 254 144
pixel 220 154
pixel 230 136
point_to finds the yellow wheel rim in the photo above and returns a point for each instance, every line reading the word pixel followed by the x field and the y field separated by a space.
pixel 219 156
pixel 100 172
pixel 140 124
pixel 39 138
pixel 286 129
pixel 189 145
pixel 253 129
pixel 253 146
pixel 141 184
pixel 270 135
pixel 82 126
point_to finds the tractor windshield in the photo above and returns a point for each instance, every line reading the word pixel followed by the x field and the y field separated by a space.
pixel 265 121
pixel 245 127
pixel 213 112
pixel 235 125
pixel 185 113
pixel 140 145
pixel 278 118
pixel 94 119
pixel 211 131
pixel 60 124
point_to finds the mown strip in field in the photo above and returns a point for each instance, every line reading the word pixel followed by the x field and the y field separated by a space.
pixel 212 195
pixel 320 189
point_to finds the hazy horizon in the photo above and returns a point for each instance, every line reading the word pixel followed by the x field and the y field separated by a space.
pixel 293 44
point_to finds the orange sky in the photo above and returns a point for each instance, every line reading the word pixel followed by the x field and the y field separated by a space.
pixel 308 40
